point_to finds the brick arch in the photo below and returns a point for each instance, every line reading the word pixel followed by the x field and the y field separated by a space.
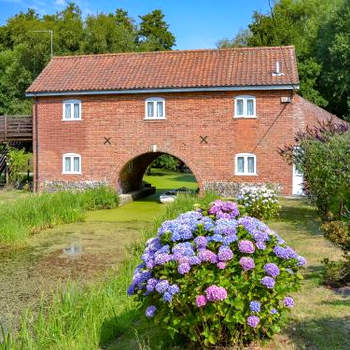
pixel 131 174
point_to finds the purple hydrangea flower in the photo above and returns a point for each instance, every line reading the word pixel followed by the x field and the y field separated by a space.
pixel 173 289
pixel 253 321
pixel 184 268
pixel 288 302
pixel 246 246
pixel 206 255
pixel 215 293
pixel 167 297
pixel 272 270
pixel 247 263
pixel 255 306
pixel 301 261
pixel 200 241
pixel 221 265
pixel 268 282
pixel 260 245
pixel 131 289
pixel 223 210
pixel 162 286
pixel 281 252
pixel 225 254
pixel 194 260
pixel 273 311
pixel 201 300
pixel 151 284
pixel 226 227
pixel 227 240
pixel 216 238
pixel 162 258
pixel 150 311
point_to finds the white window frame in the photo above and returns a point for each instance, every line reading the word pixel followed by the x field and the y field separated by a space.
pixel 245 99
pixel 71 156
pixel 72 103
pixel 154 100
pixel 245 156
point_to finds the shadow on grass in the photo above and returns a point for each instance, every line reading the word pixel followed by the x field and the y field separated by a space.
pixel 131 330
pixel 302 216
pixel 326 333
pixel 185 178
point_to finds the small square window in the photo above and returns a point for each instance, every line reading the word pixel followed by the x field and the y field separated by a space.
pixel 245 164
pixel 71 163
pixel 155 108
pixel 244 107
pixel 72 110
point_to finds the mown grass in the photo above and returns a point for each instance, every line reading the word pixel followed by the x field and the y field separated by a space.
pixel 23 217
pixel 91 317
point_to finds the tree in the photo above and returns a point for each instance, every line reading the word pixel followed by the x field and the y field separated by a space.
pixel 24 51
pixel 154 34
pixel 334 53
pixel 240 40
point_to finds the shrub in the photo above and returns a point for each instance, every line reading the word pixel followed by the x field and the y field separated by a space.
pixel 20 162
pixel 216 277
pixel 259 202
pixel 24 217
pixel 337 273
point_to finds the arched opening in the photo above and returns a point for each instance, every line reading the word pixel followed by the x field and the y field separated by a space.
pixel 157 169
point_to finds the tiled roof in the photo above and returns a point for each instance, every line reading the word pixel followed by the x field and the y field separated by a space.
pixel 168 69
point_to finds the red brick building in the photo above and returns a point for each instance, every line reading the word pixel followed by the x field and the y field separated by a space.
pixel 224 113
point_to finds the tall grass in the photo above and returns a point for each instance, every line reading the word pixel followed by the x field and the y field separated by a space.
pixel 23 217
pixel 89 318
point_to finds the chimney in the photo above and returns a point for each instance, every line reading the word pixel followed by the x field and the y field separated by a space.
pixel 277 72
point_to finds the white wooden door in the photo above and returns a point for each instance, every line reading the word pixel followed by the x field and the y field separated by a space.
pixel 298 182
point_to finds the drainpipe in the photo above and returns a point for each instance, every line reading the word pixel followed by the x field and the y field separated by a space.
pixel 36 172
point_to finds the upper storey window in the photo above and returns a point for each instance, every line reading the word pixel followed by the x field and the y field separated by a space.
pixel 72 110
pixel 155 108
pixel 245 107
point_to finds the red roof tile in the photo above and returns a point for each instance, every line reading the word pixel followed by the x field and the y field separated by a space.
pixel 168 69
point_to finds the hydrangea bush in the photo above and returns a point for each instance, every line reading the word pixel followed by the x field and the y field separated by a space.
pixel 259 202
pixel 217 277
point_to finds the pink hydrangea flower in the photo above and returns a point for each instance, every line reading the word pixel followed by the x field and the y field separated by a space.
pixel 221 265
pixel 201 300
pixel 215 293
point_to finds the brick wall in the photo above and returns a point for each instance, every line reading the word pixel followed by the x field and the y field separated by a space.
pixel 188 116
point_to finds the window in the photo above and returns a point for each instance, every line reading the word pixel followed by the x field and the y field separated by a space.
pixel 72 110
pixel 245 164
pixel 71 163
pixel 155 108
pixel 245 107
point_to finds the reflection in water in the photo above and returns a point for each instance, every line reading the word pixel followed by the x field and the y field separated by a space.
pixel 73 250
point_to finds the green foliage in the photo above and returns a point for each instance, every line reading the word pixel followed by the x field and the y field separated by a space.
pixel 24 217
pixel 91 317
pixel 19 162
pixel 24 52
pixel 221 322
pixel 326 166
pixel 259 202
pixel 165 161
pixel 154 32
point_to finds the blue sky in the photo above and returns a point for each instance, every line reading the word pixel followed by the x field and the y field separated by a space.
pixel 195 24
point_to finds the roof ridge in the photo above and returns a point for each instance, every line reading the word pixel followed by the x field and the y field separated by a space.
pixel 248 48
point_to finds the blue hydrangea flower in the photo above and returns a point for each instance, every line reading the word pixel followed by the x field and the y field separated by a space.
pixel 255 306
pixel 162 286
pixel 150 311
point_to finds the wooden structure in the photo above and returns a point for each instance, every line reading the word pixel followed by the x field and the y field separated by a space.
pixel 16 128
pixel 14 131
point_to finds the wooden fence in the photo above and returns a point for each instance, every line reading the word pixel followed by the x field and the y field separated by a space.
pixel 16 128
